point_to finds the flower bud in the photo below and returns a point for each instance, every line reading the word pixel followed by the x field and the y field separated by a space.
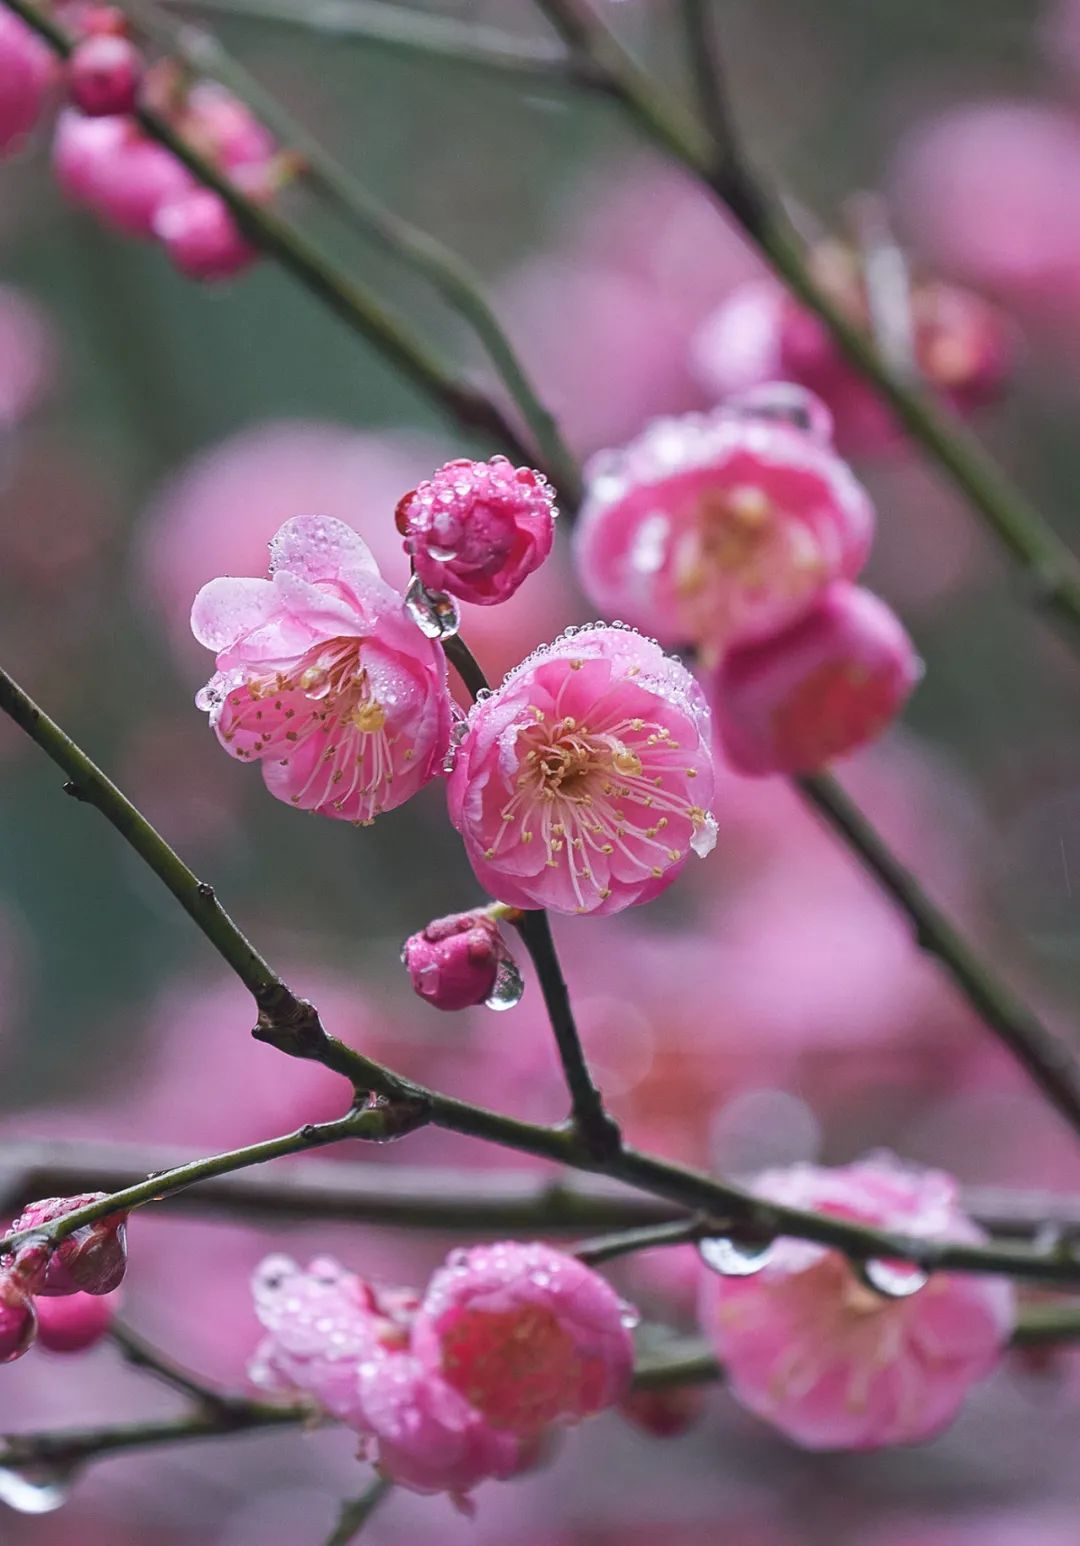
pixel 456 961
pixel 817 691
pixel 201 237
pixel 75 1323
pixel 478 529
pixel 18 1320
pixel 26 68
pixel 104 74
pixel 92 1259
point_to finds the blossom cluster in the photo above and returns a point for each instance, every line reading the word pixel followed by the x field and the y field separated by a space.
pixel 462 1384
pixel 739 533
pixel 106 161
pixel 62 1296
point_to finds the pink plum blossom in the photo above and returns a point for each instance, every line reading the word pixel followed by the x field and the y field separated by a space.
pixel 760 333
pixel 323 1322
pixel 478 529
pixel 528 1335
pixel 323 677
pixel 424 1435
pixel 820 690
pixel 832 1362
pixel 222 507
pixel 584 783
pixel 27 68
pixel 454 962
pixel 76 1322
pixel 719 529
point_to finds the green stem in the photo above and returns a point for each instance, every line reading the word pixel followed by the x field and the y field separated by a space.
pixel 1050 566
pixel 449 275
pixel 71 1447
pixel 140 1354
pixel 374 1123
pixel 1047 1058
pixel 355 1514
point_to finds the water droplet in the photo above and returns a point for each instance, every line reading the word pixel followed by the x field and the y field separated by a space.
pixel 435 614
pixel 629 1317
pixel 703 840
pixel 509 986
pixel 735 1258
pixel 894 1279
pixel 35 1489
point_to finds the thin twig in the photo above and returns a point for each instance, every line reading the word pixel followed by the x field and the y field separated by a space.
pixel 140 1354
pixel 422 35
pixel 628 1241
pixel 1051 568
pixel 449 274
pixel 65 1448
pixel 1048 1059
pixel 355 1514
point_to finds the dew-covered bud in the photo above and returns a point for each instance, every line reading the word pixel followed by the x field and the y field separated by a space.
pixel 817 691
pixel 459 961
pixel 75 1323
pixel 478 529
pixel 18 1320
pixel 104 74
pixel 92 1259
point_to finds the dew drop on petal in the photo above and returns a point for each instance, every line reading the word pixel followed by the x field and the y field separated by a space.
pixel 894 1279
pixel 435 615
pixel 735 1258
pixel 508 988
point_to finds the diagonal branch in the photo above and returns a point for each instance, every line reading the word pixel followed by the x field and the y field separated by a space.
pixel 1051 568
pixel 424 253
pixel 355 1514
pixel 352 302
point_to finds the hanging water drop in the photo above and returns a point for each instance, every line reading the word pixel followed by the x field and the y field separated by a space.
pixel 435 614
pixel 734 1258
pixel 35 1489
pixel 894 1279
pixel 508 987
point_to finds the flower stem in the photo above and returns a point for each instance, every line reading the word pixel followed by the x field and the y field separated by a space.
pixel 1047 1058
pixel 590 1120
pixel 355 1514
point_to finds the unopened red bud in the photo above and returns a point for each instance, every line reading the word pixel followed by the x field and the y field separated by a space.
pixel 92 1259
pixel 104 74
pixel 462 960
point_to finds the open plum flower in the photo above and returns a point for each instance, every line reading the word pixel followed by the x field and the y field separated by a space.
pixel 323 677
pixel 719 529
pixel 828 1359
pixel 584 783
